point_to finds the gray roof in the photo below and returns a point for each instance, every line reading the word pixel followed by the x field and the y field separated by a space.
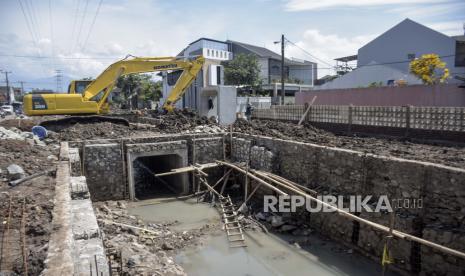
pixel 259 51
pixel 460 38
pixel 266 53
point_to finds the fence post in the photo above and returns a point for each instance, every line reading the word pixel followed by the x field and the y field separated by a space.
pixel 349 121
pixel 407 119
pixel 462 122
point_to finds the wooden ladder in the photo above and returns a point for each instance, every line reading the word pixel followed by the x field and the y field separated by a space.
pixel 231 224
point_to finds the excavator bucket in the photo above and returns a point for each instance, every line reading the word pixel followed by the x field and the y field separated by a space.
pixel 59 124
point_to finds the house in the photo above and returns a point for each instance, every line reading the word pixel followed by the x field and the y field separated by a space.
pixel 385 60
pixel 9 94
pixel 298 73
pixel 207 94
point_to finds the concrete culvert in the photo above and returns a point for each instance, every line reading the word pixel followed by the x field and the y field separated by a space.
pixel 147 185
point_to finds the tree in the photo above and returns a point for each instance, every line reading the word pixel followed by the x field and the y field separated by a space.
pixel 139 86
pixel 430 69
pixel 242 70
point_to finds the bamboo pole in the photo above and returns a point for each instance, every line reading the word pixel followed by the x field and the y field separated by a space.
pixel 306 111
pixel 394 233
pixel 284 180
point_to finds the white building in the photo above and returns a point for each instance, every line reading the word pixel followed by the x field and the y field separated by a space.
pixel 386 59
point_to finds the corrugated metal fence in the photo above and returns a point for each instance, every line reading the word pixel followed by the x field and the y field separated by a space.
pixel 409 117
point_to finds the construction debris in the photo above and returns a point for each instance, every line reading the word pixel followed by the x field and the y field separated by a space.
pixel 136 247
pixel 447 155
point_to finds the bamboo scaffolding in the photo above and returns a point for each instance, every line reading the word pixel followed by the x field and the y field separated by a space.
pixel 391 231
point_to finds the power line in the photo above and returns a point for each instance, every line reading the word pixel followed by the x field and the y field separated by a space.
pixel 322 61
pixel 61 57
pixel 27 23
pixel 82 23
pixel 34 21
pixel 91 26
pixel 51 30
pixel 78 2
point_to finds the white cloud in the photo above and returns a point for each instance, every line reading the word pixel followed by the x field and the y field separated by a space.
pixel 140 28
pixel 301 5
pixel 426 11
pixel 448 27
pixel 326 47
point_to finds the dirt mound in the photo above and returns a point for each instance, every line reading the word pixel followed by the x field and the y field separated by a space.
pixel 178 121
pixel 94 131
pixel 22 124
pixel 447 155
pixel 37 195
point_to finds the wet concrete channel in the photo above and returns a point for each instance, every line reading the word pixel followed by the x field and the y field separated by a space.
pixel 265 254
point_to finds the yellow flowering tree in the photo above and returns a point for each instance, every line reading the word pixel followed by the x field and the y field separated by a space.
pixel 430 69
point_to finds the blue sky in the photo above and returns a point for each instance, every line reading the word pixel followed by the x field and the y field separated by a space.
pixel 61 32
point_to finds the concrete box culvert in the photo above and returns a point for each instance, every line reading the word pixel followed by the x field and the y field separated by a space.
pixel 144 160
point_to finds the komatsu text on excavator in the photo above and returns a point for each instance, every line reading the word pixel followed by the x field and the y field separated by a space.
pixel 93 99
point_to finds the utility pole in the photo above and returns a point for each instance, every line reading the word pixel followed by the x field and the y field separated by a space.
pixel 7 86
pixel 22 87
pixel 282 70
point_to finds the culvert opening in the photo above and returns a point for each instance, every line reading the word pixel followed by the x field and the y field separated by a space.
pixel 148 185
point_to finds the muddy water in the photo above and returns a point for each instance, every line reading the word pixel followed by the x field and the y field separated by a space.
pixel 264 255
pixel 188 213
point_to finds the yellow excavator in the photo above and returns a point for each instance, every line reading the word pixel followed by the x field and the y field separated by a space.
pixel 91 98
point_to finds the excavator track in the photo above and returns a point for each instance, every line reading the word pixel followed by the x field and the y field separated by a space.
pixel 58 124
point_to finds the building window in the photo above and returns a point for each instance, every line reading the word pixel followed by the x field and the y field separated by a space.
pixel 411 56
pixel 216 53
pixel 221 54
pixel 208 52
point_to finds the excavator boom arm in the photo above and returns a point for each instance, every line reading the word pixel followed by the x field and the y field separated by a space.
pixel 107 79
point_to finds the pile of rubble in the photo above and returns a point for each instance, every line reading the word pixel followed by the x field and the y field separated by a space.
pixel 141 248
pixel 14 133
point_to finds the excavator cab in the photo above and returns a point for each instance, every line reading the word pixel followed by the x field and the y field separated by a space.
pixel 78 86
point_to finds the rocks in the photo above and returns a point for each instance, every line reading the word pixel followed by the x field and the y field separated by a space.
pixel 287 228
pixel 16 134
pixel 142 252
pixel 15 172
pixel 276 221
pixel 167 246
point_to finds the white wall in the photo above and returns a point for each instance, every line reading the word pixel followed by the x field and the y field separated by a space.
pixel 386 57
pixel 407 37
pixel 224 99
pixel 364 76
pixel 263 63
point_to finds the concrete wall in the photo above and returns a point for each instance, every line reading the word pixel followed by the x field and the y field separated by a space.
pixel 417 95
pixel 106 165
pixel 345 172
pixel 224 103
pixel 104 169
pixel 75 246
pixel 362 77
pixel 135 151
